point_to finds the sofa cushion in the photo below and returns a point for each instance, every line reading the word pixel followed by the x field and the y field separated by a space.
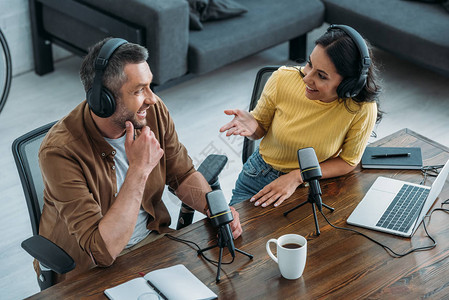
pixel 414 30
pixel 206 10
pixel 445 3
pixel 267 23
pixel 165 25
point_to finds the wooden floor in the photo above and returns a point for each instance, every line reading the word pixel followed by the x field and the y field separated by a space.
pixel 413 98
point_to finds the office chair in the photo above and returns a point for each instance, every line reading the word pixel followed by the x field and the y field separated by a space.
pixel 261 79
pixel 25 151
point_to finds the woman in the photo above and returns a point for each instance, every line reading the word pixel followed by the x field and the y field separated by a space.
pixel 330 105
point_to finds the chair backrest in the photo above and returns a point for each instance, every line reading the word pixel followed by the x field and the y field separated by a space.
pixel 261 78
pixel 25 151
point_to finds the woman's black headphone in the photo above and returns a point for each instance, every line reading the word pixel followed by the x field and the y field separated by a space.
pixel 101 101
pixel 351 87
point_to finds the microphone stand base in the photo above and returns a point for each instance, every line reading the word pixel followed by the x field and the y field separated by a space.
pixel 311 200
pixel 221 244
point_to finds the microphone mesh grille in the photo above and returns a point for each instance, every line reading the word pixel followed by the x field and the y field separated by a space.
pixel 307 158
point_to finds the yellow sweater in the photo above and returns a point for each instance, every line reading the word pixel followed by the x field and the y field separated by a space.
pixel 292 121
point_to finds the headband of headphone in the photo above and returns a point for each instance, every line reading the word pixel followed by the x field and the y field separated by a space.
pixel 101 101
pixel 351 87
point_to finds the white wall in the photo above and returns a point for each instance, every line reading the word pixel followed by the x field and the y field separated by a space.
pixel 15 24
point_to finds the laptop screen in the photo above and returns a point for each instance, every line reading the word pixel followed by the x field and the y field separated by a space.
pixel 437 186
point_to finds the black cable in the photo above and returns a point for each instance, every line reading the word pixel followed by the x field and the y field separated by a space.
pixel 187 242
pixel 441 208
pixel 389 250
pixel 430 171
pixel 433 171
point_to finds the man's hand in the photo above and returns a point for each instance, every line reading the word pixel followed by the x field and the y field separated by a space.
pixel 144 152
pixel 278 190
pixel 236 227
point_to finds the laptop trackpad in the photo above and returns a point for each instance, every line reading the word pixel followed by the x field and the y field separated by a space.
pixel 371 208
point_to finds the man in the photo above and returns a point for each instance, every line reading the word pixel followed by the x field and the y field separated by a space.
pixel 104 172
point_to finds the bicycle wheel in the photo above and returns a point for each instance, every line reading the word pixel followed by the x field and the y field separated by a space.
pixel 5 70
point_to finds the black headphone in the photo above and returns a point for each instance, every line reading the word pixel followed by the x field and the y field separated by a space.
pixel 101 101
pixel 351 87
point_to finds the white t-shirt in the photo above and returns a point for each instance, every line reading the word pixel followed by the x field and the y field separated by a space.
pixel 121 167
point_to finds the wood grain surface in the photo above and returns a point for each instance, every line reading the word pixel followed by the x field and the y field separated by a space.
pixel 340 264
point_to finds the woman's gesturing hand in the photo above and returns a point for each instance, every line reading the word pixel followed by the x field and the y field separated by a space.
pixel 243 124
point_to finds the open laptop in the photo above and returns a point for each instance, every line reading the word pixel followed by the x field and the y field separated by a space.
pixel 396 206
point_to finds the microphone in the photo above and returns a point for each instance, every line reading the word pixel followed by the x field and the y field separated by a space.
pixel 311 172
pixel 221 216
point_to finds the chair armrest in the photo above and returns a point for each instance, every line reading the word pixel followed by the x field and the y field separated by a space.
pixel 210 168
pixel 166 25
pixel 48 254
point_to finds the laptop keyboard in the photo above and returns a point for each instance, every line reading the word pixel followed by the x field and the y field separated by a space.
pixel 404 208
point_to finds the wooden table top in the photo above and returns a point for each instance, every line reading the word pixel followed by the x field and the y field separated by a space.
pixel 340 264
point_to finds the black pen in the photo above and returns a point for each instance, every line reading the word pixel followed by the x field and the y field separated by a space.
pixel 387 155
pixel 153 286
pixel 157 290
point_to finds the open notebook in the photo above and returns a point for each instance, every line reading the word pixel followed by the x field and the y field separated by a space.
pixel 175 282
pixel 396 206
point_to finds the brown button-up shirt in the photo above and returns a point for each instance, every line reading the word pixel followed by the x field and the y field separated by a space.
pixel 80 182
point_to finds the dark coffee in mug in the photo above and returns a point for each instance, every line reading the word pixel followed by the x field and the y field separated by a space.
pixel 291 254
pixel 291 246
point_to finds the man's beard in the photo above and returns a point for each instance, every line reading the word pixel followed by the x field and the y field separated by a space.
pixel 122 114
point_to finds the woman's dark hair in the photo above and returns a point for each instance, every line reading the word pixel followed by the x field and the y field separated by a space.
pixel 345 55
pixel 114 76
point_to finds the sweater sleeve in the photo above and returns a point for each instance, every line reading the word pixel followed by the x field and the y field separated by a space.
pixel 266 105
pixel 358 134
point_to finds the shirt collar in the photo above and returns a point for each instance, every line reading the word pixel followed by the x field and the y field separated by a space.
pixel 99 143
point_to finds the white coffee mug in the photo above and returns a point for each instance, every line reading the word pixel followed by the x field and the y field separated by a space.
pixel 291 255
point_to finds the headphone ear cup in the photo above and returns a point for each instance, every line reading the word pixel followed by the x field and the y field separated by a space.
pixel 360 83
pixel 346 87
pixel 93 104
pixel 107 103
pixel 351 87
pixel 104 106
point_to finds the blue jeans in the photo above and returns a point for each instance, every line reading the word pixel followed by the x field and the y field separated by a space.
pixel 255 175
